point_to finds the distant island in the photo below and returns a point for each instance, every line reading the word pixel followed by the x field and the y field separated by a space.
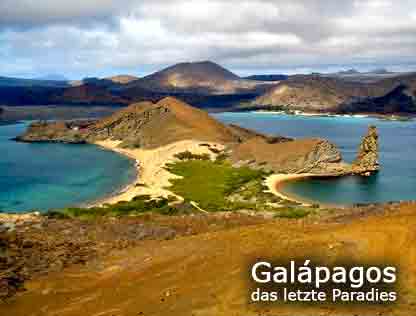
pixel 210 86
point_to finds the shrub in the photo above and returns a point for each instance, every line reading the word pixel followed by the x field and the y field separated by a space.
pixel 293 213
pixel 138 205
pixel 187 155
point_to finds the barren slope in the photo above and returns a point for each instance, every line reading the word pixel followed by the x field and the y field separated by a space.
pixel 204 78
pixel 151 125
pixel 331 94
pixel 207 274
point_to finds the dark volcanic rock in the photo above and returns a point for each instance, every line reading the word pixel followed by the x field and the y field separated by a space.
pixel 400 100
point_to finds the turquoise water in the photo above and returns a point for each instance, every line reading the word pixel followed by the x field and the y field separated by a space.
pixel 47 176
pixel 395 182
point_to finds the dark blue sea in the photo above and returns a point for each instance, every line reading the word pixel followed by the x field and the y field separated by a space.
pixel 47 176
pixel 395 182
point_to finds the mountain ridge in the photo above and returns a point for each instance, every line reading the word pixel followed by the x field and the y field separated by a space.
pixel 321 93
pixel 210 86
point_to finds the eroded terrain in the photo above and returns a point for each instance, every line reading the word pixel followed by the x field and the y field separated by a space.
pixel 200 265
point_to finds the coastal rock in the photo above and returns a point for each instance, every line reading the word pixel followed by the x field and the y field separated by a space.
pixel 366 162
pixel 290 156
pixel 59 132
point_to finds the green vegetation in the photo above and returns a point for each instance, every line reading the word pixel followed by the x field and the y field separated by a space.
pixel 209 183
pixel 293 212
pixel 218 186
pixel 213 185
pixel 139 205
pixel 187 155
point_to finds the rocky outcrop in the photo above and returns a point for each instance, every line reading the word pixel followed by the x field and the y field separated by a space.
pixel 290 156
pixel 366 162
pixel 58 132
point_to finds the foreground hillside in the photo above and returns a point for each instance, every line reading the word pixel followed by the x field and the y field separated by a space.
pixel 206 274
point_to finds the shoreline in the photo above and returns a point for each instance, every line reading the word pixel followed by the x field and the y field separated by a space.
pixel 382 117
pixel 151 176
pixel 275 183
pixel 120 190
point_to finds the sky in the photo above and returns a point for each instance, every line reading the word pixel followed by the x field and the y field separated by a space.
pixel 86 38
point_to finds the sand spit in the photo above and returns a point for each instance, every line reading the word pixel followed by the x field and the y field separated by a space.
pixel 152 179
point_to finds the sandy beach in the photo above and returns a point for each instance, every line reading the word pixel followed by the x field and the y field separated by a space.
pixel 275 181
pixel 152 179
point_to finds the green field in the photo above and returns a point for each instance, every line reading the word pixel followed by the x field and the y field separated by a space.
pixel 218 186
pixel 214 185
pixel 209 183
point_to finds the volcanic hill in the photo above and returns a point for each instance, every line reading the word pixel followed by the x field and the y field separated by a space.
pixel 320 93
pixel 149 125
pixel 122 79
pixel 204 77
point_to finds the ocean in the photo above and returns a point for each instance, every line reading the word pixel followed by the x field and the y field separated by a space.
pixel 47 176
pixel 395 182
pixel 40 176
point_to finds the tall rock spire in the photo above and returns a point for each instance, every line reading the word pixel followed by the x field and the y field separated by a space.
pixel 366 162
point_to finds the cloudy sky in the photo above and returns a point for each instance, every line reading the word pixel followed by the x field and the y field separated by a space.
pixel 81 38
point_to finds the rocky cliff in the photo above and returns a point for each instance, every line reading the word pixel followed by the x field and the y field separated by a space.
pixel 366 162
pixel 290 156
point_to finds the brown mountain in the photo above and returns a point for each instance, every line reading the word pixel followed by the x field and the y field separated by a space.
pixel 317 93
pixel 149 125
pixel 87 93
pixel 122 79
pixel 204 84
pixel 198 78
pixel 401 100
pixel 210 86
pixel 314 92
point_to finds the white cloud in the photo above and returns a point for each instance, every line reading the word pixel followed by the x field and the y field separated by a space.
pixel 96 36
pixel 373 4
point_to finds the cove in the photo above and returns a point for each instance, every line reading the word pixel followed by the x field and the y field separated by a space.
pixel 44 176
pixel 395 182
